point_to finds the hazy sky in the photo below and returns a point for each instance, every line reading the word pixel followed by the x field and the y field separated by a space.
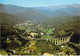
pixel 37 3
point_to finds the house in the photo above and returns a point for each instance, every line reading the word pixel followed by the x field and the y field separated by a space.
pixel 33 34
pixel 30 45
pixel 8 38
pixel 61 53
pixel 14 51
pixel 42 33
pixel 29 37
pixel 47 54
pixel 29 51
pixel 53 28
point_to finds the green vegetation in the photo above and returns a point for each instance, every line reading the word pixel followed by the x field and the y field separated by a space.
pixel 28 31
pixel 8 41
pixel 18 42
pixel 19 39
pixel 58 21
pixel 4 52
pixel 43 46
pixel 63 33
pixel 11 19
pixel 49 31
pixel 73 26
pixel 47 36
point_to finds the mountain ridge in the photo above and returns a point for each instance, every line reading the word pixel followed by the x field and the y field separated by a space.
pixel 39 14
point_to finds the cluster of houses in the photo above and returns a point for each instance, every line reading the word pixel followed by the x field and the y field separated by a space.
pixel 24 23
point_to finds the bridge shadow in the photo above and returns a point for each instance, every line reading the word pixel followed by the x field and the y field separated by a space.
pixel 75 38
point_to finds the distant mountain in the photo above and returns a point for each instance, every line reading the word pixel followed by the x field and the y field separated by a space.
pixel 29 13
pixel 34 15
pixel 12 9
pixel 1 7
pixel 61 10
pixel 41 13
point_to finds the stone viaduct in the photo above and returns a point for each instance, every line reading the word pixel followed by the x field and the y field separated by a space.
pixel 56 41
pixel 59 41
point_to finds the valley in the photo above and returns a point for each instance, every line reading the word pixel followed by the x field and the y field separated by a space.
pixel 35 31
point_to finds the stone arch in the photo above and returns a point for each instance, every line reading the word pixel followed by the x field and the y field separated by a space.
pixel 64 40
pixel 55 41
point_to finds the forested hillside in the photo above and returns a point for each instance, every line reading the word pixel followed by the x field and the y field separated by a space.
pixel 75 27
pixel 34 15
pixel 58 21
pixel 13 19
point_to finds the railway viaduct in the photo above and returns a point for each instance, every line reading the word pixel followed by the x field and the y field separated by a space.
pixel 56 41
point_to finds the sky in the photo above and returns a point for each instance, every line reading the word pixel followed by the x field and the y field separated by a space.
pixel 39 3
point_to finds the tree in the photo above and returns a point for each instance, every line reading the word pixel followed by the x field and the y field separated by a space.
pixel 62 32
